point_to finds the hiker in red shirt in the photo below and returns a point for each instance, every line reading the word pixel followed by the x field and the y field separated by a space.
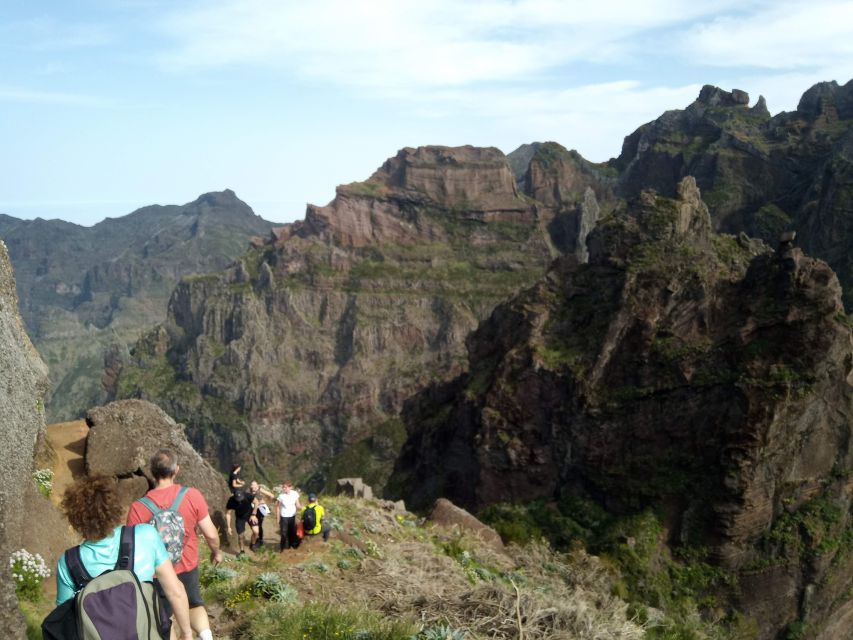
pixel 192 508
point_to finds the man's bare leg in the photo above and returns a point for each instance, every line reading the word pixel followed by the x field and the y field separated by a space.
pixel 198 619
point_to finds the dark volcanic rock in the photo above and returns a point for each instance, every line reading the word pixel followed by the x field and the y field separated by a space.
pixel 24 381
pixel 696 374
pixel 124 435
pixel 759 174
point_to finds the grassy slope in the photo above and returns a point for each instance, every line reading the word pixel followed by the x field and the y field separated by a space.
pixel 393 577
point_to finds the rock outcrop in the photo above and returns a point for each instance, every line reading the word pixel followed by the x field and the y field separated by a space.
pixel 124 435
pixel 702 375
pixel 22 410
pixel 759 174
pixel 570 192
pixel 309 344
pixel 85 289
pixel 447 514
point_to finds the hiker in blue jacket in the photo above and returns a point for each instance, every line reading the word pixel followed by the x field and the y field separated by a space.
pixel 94 510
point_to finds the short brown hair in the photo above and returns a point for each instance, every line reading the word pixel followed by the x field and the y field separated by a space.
pixel 92 506
pixel 164 464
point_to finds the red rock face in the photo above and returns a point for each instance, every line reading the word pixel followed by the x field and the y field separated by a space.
pixel 356 221
pixel 466 182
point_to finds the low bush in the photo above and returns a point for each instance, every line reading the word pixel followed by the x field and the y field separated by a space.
pixel 323 622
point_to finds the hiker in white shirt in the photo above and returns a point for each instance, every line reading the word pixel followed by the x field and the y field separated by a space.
pixel 286 506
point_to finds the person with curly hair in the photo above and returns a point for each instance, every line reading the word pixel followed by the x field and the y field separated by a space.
pixel 93 508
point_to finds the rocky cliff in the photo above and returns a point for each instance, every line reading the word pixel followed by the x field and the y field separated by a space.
pixel 24 380
pixel 575 190
pixel 83 289
pixel 699 375
pixel 759 174
pixel 308 345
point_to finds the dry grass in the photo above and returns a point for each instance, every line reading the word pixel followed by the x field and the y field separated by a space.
pixel 433 576
pixel 414 583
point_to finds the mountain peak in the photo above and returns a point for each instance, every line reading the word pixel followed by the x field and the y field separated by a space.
pixel 715 97
pixel 223 198
pixel 826 96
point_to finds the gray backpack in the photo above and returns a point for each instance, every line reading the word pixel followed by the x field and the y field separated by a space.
pixel 112 605
pixel 169 524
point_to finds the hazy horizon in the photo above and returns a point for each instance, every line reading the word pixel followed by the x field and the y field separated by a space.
pixel 109 106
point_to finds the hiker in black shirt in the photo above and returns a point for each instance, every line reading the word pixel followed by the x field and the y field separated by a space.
pixel 235 482
pixel 242 506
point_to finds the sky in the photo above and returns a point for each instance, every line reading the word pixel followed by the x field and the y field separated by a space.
pixel 110 105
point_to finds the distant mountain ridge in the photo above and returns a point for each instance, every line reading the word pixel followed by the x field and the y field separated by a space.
pixel 83 289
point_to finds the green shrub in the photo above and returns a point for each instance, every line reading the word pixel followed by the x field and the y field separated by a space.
pixel 209 574
pixel 270 585
pixel 441 632
pixel 321 622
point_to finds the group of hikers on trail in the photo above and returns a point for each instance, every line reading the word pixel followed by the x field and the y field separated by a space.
pixel 250 508
pixel 132 580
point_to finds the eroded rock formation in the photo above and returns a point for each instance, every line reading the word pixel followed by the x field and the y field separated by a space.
pixel 759 174
pixel 704 376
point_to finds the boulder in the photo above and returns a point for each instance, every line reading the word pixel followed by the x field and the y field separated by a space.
pixel 22 408
pixel 447 514
pixel 354 488
pixel 124 435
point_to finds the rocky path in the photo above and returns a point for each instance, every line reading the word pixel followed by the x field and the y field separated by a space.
pixel 68 440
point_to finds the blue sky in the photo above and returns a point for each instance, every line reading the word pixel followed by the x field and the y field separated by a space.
pixel 109 105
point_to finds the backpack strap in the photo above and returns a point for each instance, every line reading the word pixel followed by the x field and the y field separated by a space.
pixel 79 575
pixel 148 503
pixel 125 548
pixel 178 499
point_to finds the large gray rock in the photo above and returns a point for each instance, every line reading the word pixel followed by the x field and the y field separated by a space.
pixel 23 381
pixel 447 514
pixel 123 436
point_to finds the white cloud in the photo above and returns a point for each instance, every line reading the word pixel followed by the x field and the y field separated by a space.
pixel 592 118
pixel 782 35
pixel 400 44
